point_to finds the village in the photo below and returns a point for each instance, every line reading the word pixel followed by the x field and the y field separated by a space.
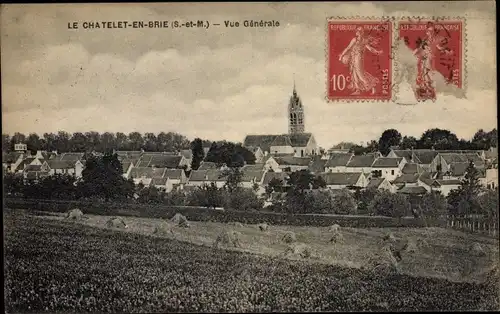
pixel 408 171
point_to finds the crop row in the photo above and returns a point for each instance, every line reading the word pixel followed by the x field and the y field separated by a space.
pixel 204 214
pixel 59 266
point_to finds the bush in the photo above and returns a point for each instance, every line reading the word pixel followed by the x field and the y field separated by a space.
pixel 388 204
pixel 344 203
pixel 243 199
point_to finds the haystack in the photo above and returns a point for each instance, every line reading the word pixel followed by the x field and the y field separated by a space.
pixel 411 245
pixel 300 250
pixel 337 237
pixel 289 237
pixel 180 221
pixel 236 224
pixel 382 261
pixel 263 227
pixel 228 239
pixel 116 223
pixel 74 214
pixel 389 237
pixel 477 250
pixel 163 229
pixel 334 228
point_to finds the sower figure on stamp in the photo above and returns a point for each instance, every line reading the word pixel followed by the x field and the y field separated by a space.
pixel 428 51
pixel 353 56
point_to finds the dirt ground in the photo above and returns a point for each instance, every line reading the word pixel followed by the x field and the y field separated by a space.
pixel 444 253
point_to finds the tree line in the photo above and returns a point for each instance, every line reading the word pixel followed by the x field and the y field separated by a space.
pixel 439 139
pixel 64 142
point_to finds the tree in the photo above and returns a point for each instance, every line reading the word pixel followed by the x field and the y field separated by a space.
pixel 343 203
pixel 93 142
pixel 122 141
pixel 102 177
pixel 464 200
pixel 357 150
pixel 197 152
pixel 5 142
pixel 17 138
pixel 274 185
pixel 50 142
pixel 388 138
pixel 372 147
pixel 432 204
pixel 408 142
pixel 78 142
pixel 107 143
pixel 439 139
pixel 485 140
pixel 302 180
pixel 230 154
pixel 488 203
pixel 389 204
pixel 33 142
pixel 150 143
pixel 233 176
pixel 364 198
pixel 136 141
pixel 63 144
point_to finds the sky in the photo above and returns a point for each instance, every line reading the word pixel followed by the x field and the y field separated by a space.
pixel 218 83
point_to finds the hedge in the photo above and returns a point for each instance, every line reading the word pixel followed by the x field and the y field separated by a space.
pixel 214 215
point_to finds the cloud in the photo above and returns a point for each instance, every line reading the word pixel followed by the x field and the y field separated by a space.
pixel 217 83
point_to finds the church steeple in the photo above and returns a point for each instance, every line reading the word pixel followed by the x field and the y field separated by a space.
pixel 295 113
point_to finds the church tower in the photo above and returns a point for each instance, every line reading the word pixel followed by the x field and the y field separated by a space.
pixel 295 114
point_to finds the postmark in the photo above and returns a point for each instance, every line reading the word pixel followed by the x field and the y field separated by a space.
pixel 438 47
pixel 359 60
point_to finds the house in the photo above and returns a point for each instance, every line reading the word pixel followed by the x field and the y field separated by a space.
pixel 480 153
pixel 70 167
pixel 206 177
pixel 491 178
pixel 70 157
pixel 257 152
pixel 445 186
pixel 388 167
pixel 163 160
pixel 412 190
pixel 422 157
pixel 299 144
pixel 170 179
pixel 361 163
pixel 188 158
pixel 426 180
pixel 338 162
pixel 19 167
pixel 127 167
pixel 442 161
pixel 410 179
pixel 380 184
pixel 253 178
pixel 292 163
pixel 20 147
pixel 412 168
pixel 272 165
pixel 344 180
pixel 280 176
pixel 254 167
pixel 145 175
pixel 206 165
pixel 36 171
pixel 10 161
pixel 491 153
pixel 317 165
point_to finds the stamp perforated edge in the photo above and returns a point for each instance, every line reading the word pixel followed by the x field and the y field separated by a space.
pixel 394 66
pixel 464 49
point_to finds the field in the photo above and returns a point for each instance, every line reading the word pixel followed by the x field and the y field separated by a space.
pixel 53 264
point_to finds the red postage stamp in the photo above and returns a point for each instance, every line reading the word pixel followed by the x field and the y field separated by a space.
pixel 437 46
pixel 359 65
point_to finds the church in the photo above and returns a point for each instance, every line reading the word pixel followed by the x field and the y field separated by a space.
pixel 296 142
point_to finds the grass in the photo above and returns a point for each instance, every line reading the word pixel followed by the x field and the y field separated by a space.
pixel 447 255
pixel 56 265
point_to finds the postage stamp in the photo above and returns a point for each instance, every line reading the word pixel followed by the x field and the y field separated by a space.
pixel 359 60
pixel 437 46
